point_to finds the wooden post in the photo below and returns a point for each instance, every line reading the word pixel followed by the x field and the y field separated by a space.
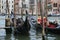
pixel 22 11
pixel 7 6
pixel 36 9
pixel 14 14
pixel 46 9
pixel 32 12
pixel 46 14
pixel 42 15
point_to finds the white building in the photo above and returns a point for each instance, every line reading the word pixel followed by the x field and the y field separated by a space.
pixel 24 4
pixel 3 6
pixel 0 6
pixel 33 6
pixel 11 5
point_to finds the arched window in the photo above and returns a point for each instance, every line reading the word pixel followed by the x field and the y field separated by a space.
pixel 55 5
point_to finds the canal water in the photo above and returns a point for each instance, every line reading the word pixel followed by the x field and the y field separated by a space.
pixel 33 35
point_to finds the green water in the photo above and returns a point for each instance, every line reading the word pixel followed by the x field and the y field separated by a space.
pixel 30 37
pixel 33 35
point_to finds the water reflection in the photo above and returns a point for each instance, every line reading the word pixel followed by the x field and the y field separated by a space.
pixel 2 32
pixel 51 37
pixel 33 36
pixel 32 33
pixel 2 38
pixel 22 37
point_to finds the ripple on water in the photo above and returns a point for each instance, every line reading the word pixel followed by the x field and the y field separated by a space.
pixel 2 32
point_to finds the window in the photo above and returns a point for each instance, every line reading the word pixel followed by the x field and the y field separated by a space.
pixel 2 1
pixel 2 7
pixel 31 1
pixel 23 0
pixel 12 6
pixel 12 1
pixel 55 5
pixel 24 6
pixel 12 9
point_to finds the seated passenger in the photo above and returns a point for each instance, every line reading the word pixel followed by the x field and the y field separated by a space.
pixel 50 25
pixel 55 22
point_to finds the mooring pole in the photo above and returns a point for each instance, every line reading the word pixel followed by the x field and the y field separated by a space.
pixel 14 14
pixel 22 10
pixel 46 9
pixel 42 15
pixel 46 15
pixel 7 6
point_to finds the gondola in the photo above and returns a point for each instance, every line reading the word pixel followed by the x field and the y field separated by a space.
pixel 55 30
pixel 22 26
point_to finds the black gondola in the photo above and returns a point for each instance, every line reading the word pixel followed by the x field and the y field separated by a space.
pixel 22 26
pixel 55 30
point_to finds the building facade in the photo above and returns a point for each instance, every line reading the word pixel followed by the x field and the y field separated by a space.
pixel 16 7
pixel 0 5
pixel 3 6
pixel 23 6
pixel 33 7
pixel 10 4
pixel 54 6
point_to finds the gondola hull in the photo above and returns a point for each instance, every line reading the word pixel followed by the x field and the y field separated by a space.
pixel 23 29
pixel 47 29
pixel 38 27
pixel 24 26
pixel 53 30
